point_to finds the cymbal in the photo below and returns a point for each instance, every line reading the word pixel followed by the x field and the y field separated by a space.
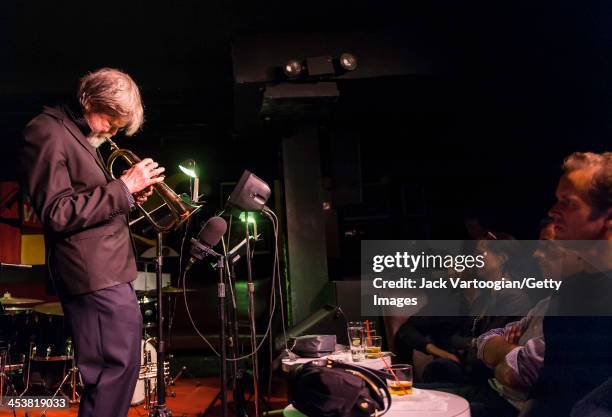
pixel 8 300
pixel 165 290
pixel 174 290
pixel 16 310
pixel 52 309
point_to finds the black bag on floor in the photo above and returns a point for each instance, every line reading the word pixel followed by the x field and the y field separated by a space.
pixel 334 389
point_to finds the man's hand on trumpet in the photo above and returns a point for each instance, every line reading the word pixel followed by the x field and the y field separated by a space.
pixel 141 196
pixel 140 178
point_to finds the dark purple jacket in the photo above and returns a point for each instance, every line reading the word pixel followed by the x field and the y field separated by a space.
pixel 82 208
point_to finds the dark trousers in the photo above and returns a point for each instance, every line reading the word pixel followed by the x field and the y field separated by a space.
pixel 106 329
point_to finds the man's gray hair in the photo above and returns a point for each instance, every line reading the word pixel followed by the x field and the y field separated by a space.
pixel 599 191
pixel 114 93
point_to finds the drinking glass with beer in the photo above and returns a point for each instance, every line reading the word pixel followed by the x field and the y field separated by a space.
pixel 399 379
pixel 373 347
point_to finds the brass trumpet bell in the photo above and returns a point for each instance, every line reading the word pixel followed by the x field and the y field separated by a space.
pixel 181 206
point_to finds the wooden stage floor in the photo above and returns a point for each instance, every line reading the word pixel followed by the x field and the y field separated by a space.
pixel 192 398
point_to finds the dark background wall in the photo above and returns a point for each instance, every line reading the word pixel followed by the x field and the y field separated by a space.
pixel 487 100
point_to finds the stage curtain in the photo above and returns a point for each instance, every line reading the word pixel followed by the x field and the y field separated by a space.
pixel 10 231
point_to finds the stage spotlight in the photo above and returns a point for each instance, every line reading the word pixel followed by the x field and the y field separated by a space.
pixel 293 68
pixel 188 168
pixel 348 61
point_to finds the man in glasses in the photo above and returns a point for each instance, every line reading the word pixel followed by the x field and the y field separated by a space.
pixel 84 214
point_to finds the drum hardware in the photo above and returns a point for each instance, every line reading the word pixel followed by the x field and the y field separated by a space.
pixel 15 324
pixel 71 375
pixel 3 376
pixel 148 309
pixel 8 300
pixel 169 290
pixel 178 376
pixel 50 352
pixel 11 311
pixel 27 374
pixel 173 290
pixel 51 334
pixel 51 309
pixel 7 387
pixel 5 381
pixel 74 397
pixel 12 367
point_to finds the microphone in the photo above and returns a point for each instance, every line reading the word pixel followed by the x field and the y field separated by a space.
pixel 209 236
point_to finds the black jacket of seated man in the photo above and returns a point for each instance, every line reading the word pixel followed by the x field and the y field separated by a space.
pixel 578 347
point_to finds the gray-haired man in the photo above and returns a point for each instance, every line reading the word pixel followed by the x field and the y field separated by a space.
pixel 83 211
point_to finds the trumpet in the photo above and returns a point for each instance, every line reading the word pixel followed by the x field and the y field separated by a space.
pixel 181 206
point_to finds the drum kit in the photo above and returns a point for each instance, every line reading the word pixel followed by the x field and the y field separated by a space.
pixel 147 383
pixel 35 349
pixel 37 354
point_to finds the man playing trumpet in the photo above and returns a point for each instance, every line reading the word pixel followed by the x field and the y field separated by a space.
pixel 84 213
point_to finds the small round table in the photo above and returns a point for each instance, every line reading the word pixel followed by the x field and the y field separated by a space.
pixel 456 406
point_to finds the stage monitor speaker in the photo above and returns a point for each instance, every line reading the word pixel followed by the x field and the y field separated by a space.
pixel 326 320
pixel 332 319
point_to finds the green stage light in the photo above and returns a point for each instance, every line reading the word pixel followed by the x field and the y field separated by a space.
pixel 251 218
pixel 190 172
pixel 188 167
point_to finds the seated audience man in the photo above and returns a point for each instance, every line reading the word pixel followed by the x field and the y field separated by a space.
pixel 578 323
pixel 516 351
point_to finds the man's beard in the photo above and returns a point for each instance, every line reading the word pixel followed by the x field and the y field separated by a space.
pixel 96 140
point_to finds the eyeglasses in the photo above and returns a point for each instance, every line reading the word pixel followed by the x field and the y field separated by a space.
pixel 115 124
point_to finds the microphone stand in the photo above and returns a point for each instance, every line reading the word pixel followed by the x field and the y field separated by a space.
pixel 222 318
pixel 221 295
pixel 237 371
pixel 228 314
pixel 160 409
pixel 251 291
